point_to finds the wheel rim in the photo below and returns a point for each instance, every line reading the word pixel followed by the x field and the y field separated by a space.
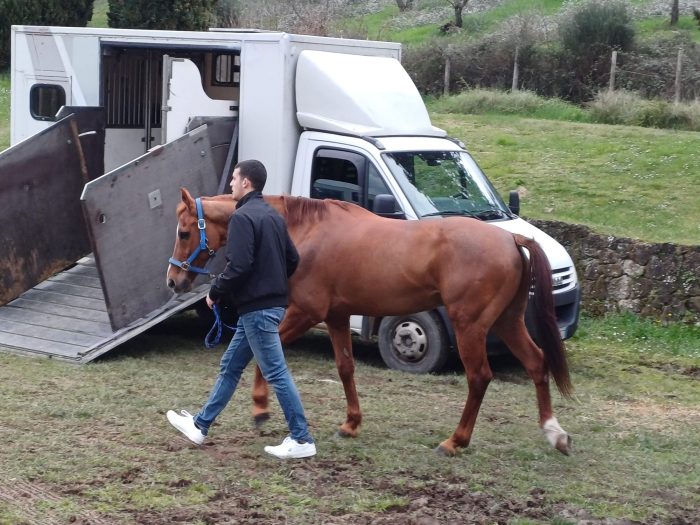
pixel 410 342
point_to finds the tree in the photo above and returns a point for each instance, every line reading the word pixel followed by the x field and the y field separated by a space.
pixel 674 12
pixel 404 5
pixel 40 12
pixel 228 13
pixel 458 6
pixel 185 15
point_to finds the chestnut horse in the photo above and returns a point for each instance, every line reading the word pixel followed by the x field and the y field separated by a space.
pixel 353 262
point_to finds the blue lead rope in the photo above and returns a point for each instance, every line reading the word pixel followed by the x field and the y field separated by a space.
pixel 213 338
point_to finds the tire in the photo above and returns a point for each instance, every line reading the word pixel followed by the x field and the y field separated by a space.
pixel 414 343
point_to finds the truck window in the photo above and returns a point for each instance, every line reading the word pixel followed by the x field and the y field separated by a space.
pixel 336 175
pixel 227 70
pixel 346 176
pixel 45 100
pixel 375 186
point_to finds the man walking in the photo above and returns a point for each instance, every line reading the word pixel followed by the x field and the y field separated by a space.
pixel 261 257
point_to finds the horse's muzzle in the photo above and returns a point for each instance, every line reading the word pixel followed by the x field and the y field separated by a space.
pixel 179 286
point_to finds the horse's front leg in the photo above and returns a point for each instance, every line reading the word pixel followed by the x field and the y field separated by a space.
pixel 339 330
pixel 293 326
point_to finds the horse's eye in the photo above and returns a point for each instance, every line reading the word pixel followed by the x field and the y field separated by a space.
pixel 183 235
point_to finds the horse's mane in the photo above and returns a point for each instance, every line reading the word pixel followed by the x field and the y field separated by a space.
pixel 298 210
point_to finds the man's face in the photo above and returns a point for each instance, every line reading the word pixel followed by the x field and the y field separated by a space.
pixel 239 185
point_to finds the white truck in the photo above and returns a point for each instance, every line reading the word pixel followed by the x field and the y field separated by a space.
pixel 329 118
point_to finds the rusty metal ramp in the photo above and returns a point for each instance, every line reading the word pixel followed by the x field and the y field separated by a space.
pixel 118 290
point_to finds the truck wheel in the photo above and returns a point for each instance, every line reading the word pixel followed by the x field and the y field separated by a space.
pixel 414 343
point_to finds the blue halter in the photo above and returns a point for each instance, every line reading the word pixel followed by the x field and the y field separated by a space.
pixel 203 246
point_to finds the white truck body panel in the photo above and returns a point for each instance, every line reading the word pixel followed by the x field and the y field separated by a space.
pixel 372 96
pixel 268 127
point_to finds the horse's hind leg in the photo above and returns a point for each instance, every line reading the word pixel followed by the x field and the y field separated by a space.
pixel 515 335
pixel 471 342
pixel 339 330
pixel 293 326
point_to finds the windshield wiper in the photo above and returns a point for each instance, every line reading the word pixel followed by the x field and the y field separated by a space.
pixel 461 213
pixel 490 214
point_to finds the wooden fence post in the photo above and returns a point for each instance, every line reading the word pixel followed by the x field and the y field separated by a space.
pixel 516 70
pixel 613 70
pixel 677 96
pixel 448 66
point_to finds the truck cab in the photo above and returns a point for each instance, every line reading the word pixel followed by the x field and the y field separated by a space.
pixel 420 178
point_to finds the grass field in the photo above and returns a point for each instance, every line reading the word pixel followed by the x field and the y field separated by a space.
pixel 91 444
pixel 620 180
pixel 99 14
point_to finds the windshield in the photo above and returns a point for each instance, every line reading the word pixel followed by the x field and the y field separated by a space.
pixel 445 183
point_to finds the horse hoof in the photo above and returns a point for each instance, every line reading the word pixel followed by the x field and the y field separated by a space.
pixel 564 444
pixel 260 420
pixel 446 451
pixel 343 433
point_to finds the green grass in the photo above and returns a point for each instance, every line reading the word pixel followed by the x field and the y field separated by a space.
pixel 661 26
pixel 520 103
pixel 99 14
pixel 4 111
pixel 96 439
pixel 619 180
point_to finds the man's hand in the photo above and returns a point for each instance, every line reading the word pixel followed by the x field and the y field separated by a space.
pixel 210 303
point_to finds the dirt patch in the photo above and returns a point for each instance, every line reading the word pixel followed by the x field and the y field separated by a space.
pixel 662 418
pixel 33 502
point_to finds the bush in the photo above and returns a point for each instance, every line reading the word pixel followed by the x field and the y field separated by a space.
pixel 596 27
pixel 39 12
pixel 523 103
pixel 185 15
pixel 630 109
pixel 588 34
pixel 426 66
pixel 650 69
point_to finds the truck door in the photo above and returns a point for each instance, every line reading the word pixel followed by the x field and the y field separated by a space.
pixel 347 176
pixel 184 98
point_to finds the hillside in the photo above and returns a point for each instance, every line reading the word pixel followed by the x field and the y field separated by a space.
pixel 382 20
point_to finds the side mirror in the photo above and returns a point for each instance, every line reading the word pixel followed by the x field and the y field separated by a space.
pixel 514 202
pixel 385 206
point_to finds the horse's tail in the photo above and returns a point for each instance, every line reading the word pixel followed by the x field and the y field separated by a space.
pixel 538 275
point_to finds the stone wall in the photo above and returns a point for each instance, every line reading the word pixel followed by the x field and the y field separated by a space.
pixel 659 281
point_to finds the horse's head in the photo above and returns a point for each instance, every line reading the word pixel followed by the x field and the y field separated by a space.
pixel 199 234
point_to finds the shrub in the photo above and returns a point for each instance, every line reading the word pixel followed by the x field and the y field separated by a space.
pixel 650 69
pixel 426 66
pixel 596 26
pixel 194 15
pixel 628 108
pixel 524 103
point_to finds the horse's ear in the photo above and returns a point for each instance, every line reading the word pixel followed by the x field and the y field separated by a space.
pixel 188 200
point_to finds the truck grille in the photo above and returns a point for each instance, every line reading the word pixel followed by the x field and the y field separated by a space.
pixel 563 279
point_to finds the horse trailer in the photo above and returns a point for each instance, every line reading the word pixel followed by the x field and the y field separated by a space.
pixel 108 124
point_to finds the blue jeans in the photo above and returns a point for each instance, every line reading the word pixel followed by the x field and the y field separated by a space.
pixel 257 336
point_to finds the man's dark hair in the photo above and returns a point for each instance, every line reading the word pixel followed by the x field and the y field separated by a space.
pixel 254 171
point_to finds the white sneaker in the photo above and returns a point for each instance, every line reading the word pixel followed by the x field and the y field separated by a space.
pixel 290 449
pixel 185 424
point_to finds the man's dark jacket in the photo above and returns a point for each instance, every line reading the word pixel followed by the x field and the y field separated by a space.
pixel 260 255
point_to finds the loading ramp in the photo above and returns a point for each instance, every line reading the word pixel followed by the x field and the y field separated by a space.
pixel 118 233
